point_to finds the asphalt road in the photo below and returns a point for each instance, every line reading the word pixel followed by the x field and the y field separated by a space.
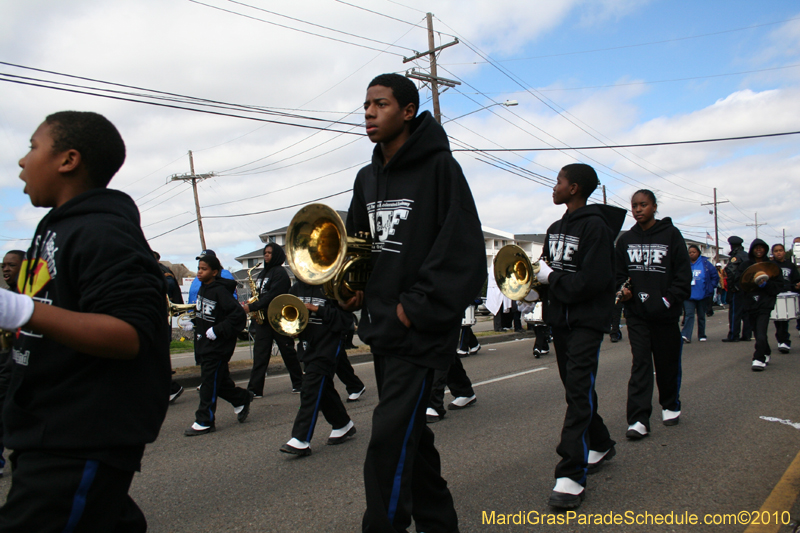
pixel 499 455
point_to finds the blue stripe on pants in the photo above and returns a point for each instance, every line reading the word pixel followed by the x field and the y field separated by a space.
pixel 79 500
pixel 398 475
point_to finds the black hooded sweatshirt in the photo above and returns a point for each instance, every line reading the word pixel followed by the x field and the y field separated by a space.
pixel 580 250
pixel 321 341
pixel 428 251
pixel 271 281
pixel 790 275
pixel 657 261
pixel 761 299
pixel 89 255
pixel 217 308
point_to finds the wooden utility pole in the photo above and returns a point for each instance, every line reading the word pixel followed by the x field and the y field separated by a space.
pixel 433 79
pixel 194 178
pixel 757 225
pixel 716 225
pixel 605 201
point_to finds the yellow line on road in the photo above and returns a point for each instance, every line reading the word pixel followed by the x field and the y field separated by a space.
pixel 780 500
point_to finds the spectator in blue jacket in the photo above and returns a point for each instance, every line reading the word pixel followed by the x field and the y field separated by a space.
pixel 704 279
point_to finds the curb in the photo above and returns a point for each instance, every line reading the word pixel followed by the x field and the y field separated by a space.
pixel 192 379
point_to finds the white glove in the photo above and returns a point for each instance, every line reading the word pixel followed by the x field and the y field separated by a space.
pixel 210 335
pixel 544 272
pixel 531 297
pixel 187 326
pixel 15 310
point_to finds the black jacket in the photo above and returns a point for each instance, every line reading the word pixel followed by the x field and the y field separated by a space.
pixel 428 250
pixel 321 341
pixel 761 299
pixel 580 250
pixel 790 275
pixel 218 309
pixel 90 256
pixel 657 261
pixel 734 269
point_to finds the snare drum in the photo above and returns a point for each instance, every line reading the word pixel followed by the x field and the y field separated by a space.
pixel 469 316
pixel 787 306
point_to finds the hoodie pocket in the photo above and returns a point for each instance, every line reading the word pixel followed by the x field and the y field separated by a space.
pixel 386 331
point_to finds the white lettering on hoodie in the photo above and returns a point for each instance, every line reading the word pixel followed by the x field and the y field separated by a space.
pixel 647 257
pixel 384 217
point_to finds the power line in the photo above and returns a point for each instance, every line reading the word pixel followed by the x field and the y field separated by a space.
pixel 281 208
pixel 296 29
pixel 606 146
pixel 383 15
pixel 622 47
pixel 319 26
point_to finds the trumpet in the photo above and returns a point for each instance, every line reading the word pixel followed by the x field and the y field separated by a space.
pixel 182 311
pixel 258 316
pixel 287 315
pixel 319 252
pixel 514 273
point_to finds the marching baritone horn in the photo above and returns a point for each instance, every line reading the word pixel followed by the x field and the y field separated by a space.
pixel 287 314
pixel 319 252
pixel 514 273
pixel 182 311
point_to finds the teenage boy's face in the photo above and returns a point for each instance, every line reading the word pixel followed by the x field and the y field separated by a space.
pixel 40 167
pixel 11 266
pixel 563 190
pixel 779 253
pixel 204 272
pixel 385 119
pixel 760 251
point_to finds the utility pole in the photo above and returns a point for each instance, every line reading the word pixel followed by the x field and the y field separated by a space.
pixel 194 178
pixel 433 79
pixel 716 225
pixel 605 201
pixel 757 225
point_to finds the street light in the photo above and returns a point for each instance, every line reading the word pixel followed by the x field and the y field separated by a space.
pixel 507 103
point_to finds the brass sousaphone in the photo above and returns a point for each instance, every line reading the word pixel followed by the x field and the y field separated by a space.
pixel 287 315
pixel 319 252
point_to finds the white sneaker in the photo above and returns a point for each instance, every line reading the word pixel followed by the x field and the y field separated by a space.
pixel 475 349
pixel 636 431
pixel 566 485
pixel 784 348
pixel 670 418
pixel 463 401
pixel 766 359
pixel 356 395
pixel 461 352
pixel 703 339
pixel 758 366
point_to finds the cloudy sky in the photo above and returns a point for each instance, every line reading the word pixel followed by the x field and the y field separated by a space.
pixel 269 75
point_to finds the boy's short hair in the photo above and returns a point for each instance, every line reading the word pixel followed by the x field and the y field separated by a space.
pixel 403 89
pixel 776 245
pixel 584 176
pixel 94 136
pixel 18 253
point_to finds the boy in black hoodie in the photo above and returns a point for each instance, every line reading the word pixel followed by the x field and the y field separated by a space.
pixel 791 282
pixel 759 302
pixel 219 319
pixel 321 346
pixel 91 368
pixel 580 295
pixel 428 262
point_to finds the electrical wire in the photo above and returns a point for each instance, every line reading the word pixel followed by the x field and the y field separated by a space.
pixel 294 29
pixel 280 208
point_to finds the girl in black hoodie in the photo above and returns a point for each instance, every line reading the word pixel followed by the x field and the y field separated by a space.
pixel 653 255
pixel 219 318
pixel 758 303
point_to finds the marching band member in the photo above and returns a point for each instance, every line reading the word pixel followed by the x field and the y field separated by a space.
pixel 791 279
pixel 653 255
pixel 428 262
pixel 759 302
pixel 580 295
pixel 320 349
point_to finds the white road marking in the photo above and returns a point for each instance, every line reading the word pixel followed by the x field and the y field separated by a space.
pixel 795 425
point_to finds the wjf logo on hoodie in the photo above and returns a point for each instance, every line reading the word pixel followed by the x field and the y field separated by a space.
pixel 647 257
pixel 563 249
pixel 384 217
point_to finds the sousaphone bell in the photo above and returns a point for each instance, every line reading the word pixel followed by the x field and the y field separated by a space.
pixel 287 314
pixel 319 252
